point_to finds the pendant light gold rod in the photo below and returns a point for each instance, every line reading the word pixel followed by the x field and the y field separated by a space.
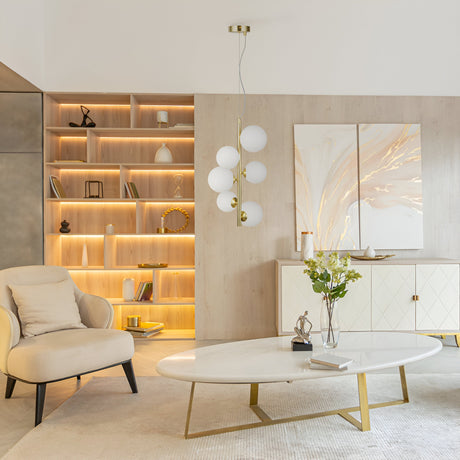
pixel 239 184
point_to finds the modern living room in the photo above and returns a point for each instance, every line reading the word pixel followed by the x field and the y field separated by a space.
pixel 353 136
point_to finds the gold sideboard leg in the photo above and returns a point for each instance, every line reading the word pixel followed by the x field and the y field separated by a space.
pixel 402 374
pixel 189 410
pixel 457 339
pixel 254 396
pixel 363 403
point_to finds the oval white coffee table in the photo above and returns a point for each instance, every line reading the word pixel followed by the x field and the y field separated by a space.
pixel 271 360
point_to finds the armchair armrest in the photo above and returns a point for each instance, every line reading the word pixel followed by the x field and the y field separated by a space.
pixel 95 311
pixel 10 333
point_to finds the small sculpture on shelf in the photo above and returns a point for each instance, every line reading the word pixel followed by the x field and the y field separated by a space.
pixel 302 342
pixel 84 123
pixel 163 155
pixel 178 180
pixel 65 227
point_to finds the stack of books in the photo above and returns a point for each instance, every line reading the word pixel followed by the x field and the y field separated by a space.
pixel 144 291
pixel 329 362
pixel 131 190
pixel 146 329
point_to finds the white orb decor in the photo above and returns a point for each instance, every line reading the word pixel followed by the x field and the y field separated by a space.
pixel 256 172
pixel 224 201
pixel 253 138
pixel 220 179
pixel 254 213
pixel 227 157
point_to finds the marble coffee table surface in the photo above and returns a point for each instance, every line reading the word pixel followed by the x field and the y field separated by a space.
pixel 272 360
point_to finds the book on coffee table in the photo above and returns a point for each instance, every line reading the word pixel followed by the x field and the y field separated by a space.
pixel 331 361
pixel 146 326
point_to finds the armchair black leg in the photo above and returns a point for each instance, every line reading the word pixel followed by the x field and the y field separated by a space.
pixel 129 372
pixel 78 377
pixel 10 383
pixel 39 402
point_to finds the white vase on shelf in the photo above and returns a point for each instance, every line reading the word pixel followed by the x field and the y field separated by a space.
pixel 163 155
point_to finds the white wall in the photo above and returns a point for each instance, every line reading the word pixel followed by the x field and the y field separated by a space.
pixel 22 38
pixel 382 47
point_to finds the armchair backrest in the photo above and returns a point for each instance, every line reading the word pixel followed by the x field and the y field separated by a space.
pixel 31 274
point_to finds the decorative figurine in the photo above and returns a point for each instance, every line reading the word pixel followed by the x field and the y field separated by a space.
pixel 178 180
pixel 302 342
pixel 84 124
pixel 65 227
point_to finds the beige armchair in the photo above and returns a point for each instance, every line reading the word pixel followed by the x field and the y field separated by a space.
pixel 60 354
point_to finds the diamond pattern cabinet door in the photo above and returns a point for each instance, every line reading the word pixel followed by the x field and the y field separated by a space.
pixel 296 296
pixel 393 308
pixel 438 290
pixel 355 307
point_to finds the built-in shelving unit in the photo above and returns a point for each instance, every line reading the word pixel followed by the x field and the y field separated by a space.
pixel 119 149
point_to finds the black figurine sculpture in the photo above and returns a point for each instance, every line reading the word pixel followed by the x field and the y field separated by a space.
pixel 84 124
pixel 65 227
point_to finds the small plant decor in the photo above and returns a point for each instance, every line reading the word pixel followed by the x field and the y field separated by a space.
pixel 330 276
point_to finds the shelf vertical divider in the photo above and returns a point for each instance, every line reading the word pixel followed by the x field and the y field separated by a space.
pixel 110 251
pixel 91 147
pixel 134 112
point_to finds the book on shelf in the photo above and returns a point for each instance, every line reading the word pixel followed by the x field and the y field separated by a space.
pixel 144 334
pixel 134 191
pixel 57 187
pixel 330 361
pixel 146 326
pixel 128 191
pixel 144 291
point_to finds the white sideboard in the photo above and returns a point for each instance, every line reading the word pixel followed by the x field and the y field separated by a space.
pixel 420 295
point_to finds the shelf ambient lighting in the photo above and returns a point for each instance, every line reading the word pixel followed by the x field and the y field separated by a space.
pixel 73 104
pixel 148 106
pixel 150 139
pixel 88 170
pixel 68 235
pixel 155 235
pixel 73 138
pixel 171 171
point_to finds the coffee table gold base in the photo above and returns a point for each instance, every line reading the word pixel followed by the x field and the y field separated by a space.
pixel 265 420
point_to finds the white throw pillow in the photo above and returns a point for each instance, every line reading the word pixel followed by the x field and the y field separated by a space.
pixel 46 307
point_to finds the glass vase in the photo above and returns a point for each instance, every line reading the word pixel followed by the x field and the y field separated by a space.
pixel 329 323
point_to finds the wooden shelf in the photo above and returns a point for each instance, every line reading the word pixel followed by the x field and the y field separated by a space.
pixel 171 334
pixel 119 149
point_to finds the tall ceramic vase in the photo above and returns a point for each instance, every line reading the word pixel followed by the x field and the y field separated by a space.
pixel 329 323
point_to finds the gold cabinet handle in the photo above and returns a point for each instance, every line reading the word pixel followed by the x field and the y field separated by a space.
pixel 415 297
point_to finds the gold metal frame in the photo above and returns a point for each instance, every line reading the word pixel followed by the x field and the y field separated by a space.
pixel 265 420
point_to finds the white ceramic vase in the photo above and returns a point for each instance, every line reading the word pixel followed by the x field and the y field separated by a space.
pixel 163 155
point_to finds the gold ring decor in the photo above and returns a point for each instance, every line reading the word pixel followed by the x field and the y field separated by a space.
pixel 180 229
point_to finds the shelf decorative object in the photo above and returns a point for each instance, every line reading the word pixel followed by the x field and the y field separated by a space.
pixel 180 229
pixel 178 180
pixel 162 118
pixel 84 123
pixel 65 227
pixel 221 179
pixel 329 278
pixel 94 189
pixel 163 155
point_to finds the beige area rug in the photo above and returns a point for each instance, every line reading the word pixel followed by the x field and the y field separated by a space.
pixel 104 421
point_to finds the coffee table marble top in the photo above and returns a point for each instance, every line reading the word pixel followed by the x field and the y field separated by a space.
pixel 271 359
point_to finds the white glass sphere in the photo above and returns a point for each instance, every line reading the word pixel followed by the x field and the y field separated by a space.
pixel 253 138
pixel 220 179
pixel 224 201
pixel 254 213
pixel 227 157
pixel 256 172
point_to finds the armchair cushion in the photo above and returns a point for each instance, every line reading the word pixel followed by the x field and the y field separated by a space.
pixel 62 354
pixel 46 307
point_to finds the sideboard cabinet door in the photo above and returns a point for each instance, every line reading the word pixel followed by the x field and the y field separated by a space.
pixel 355 307
pixel 393 288
pixel 438 292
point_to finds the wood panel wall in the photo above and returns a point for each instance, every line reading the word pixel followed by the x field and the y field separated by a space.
pixel 235 276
